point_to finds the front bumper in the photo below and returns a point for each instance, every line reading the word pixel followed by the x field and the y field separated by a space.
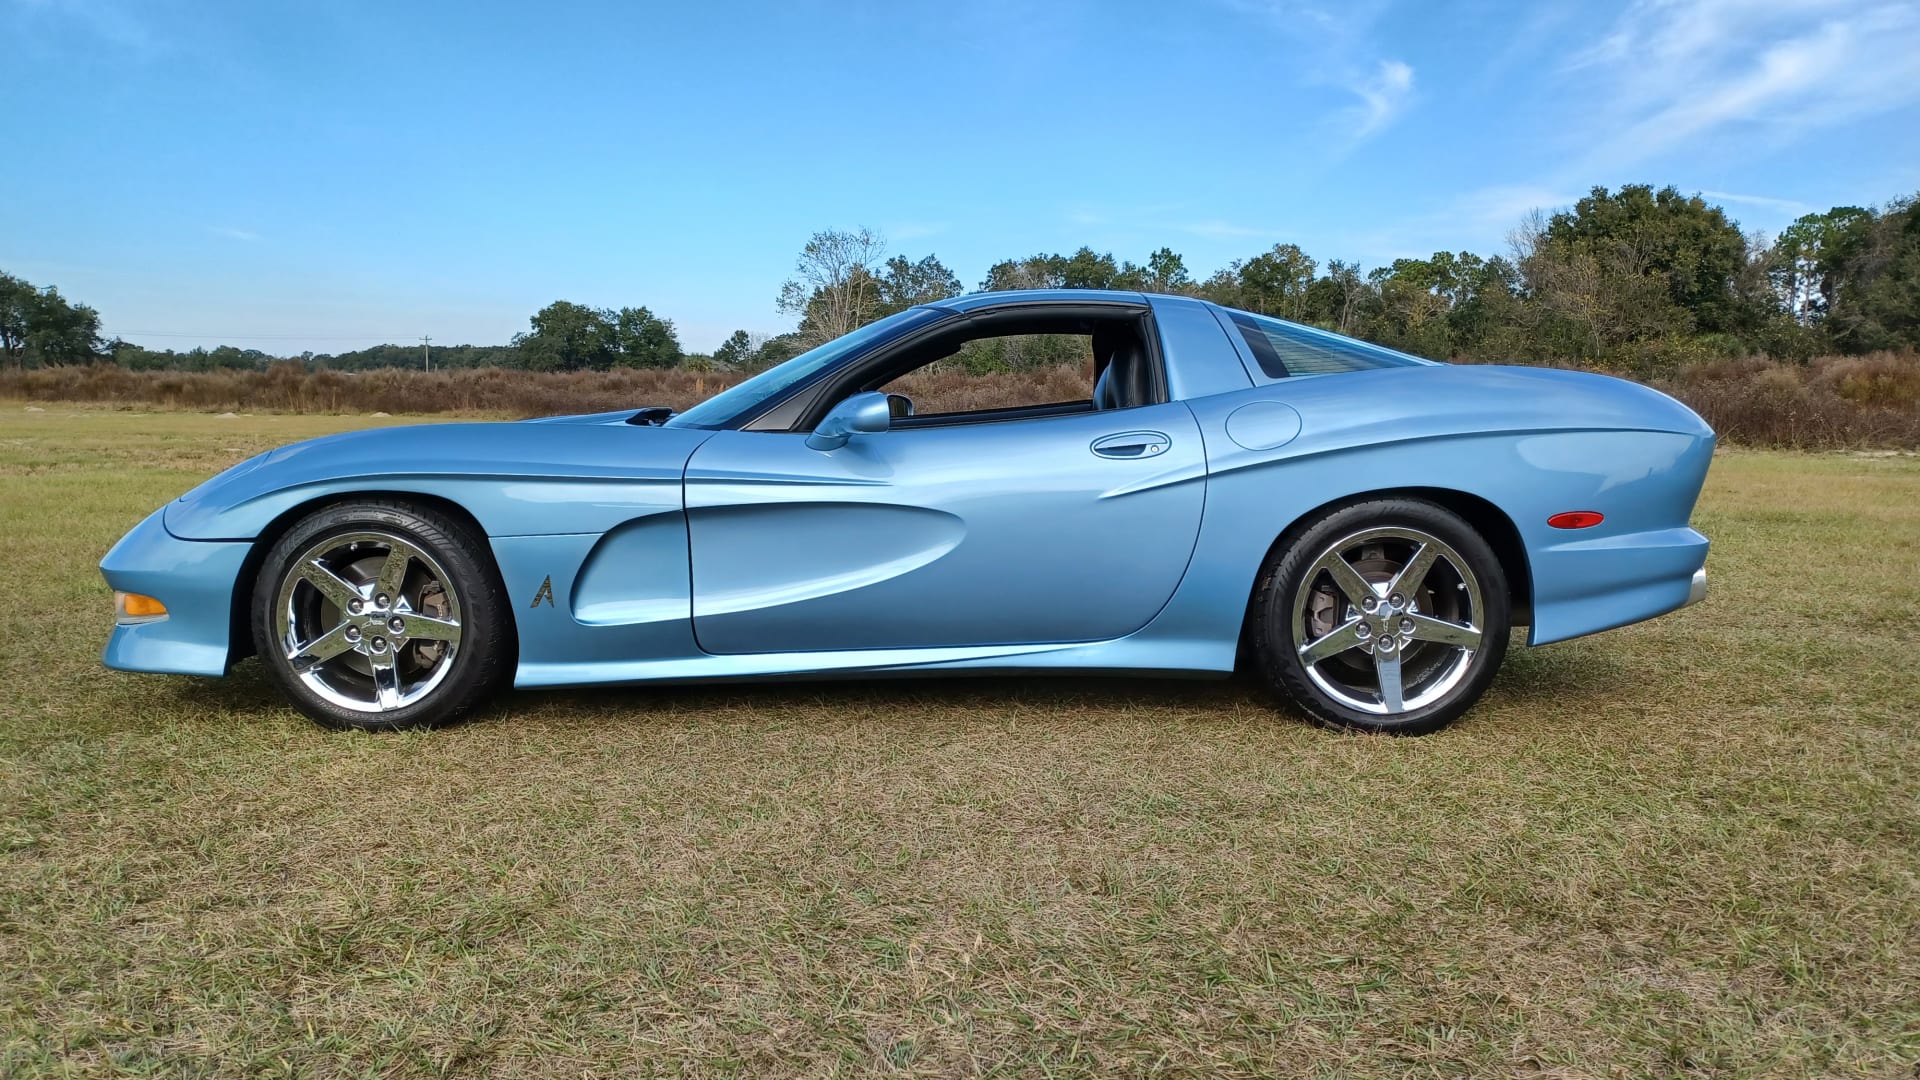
pixel 195 579
pixel 1698 591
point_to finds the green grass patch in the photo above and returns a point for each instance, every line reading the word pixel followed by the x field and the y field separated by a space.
pixel 1690 847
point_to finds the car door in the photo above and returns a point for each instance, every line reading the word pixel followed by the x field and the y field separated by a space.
pixel 1074 527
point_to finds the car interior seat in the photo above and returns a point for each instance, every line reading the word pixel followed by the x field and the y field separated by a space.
pixel 1125 378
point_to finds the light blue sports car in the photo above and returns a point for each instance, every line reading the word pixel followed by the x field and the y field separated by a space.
pixel 1363 527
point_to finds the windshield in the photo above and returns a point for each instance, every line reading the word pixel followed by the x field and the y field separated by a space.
pixel 717 410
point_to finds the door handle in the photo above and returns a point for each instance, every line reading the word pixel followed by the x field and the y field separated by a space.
pixel 1132 444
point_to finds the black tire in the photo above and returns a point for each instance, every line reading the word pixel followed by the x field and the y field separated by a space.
pixel 1277 632
pixel 478 661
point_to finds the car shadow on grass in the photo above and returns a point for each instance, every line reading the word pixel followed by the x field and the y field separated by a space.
pixel 1529 677
pixel 978 695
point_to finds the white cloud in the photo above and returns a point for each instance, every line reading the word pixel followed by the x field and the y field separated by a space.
pixel 1382 97
pixel 1670 73
pixel 1502 207
pixel 1478 220
pixel 1789 207
pixel 1333 46
pixel 246 235
pixel 1704 84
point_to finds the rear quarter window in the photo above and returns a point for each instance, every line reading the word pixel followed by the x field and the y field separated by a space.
pixel 1285 348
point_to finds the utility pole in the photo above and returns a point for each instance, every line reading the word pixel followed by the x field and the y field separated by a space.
pixel 426 357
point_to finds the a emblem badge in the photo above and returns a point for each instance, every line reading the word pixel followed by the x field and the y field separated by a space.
pixel 545 595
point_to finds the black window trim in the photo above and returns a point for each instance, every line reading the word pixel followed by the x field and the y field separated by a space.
pixel 1264 353
pixel 802 408
pixel 1268 357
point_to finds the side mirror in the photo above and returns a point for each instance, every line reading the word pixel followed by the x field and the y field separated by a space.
pixel 860 414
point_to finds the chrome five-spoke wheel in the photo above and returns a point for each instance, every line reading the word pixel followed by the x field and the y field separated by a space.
pixel 1389 620
pixel 368 621
pixel 1389 615
pixel 381 615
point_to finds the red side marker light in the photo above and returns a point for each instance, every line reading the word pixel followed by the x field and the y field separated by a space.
pixel 1577 519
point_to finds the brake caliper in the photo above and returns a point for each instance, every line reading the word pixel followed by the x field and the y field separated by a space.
pixel 432 603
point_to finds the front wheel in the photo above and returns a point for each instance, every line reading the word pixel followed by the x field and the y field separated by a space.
pixel 380 616
pixel 1389 616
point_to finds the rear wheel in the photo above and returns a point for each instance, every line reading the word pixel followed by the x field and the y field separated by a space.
pixel 1390 616
pixel 380 616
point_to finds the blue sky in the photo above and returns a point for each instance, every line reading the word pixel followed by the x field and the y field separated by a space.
pixel 325 176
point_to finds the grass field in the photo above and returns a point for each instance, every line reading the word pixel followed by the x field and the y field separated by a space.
pixel 1691 847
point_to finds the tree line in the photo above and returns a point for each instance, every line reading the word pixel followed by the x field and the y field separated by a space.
pixel 1634 279
pixel 1638 279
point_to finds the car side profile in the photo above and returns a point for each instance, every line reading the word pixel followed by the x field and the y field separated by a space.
pixel 1365 527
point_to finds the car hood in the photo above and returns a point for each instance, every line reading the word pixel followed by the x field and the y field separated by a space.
pixel 651 416
pixel 531 462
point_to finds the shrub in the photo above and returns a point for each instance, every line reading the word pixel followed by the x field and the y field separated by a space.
pixel 1833 402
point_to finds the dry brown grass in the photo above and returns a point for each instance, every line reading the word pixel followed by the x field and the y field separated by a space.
pixel 1831 403
pixel 288 388
pixel 1834 402
pixel 942 389
pixel 1686 848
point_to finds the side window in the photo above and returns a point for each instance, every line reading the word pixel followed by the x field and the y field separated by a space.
pixel 1285 348
pixel 1020 368
pixel 996 374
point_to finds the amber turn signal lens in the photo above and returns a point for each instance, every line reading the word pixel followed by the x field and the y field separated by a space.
pixel 1577 519
pixel 133 607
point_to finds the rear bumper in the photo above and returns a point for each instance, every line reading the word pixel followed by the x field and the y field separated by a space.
pixel 1699 590
pixel 195 579
pixel 1586 586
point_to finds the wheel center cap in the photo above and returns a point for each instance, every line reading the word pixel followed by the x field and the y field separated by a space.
pixel 1385 628
pixel 374 629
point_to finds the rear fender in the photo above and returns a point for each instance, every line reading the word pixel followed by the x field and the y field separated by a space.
pixel 1637 564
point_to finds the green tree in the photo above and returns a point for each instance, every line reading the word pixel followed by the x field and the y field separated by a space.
pixel 1087 269
pixel 778 350
pixel 1166 273
pixel 1032 272
pixel 903 284
pixel 1485 304
pixel 1876 294
pixel 39 327
pixel 1807 259
pixel 1275 282
pixel 737 351
pixel 641 339
pixel 1335 299
pixel 834 289
pixel 17 301
pixel 63 333
pixel 1223 286
pixel 1686 244
pixel 1084 269
pixel 568 337
pixel 1414 302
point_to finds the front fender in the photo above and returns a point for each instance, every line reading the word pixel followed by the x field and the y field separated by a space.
pixel 514 479
pixel 195 580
